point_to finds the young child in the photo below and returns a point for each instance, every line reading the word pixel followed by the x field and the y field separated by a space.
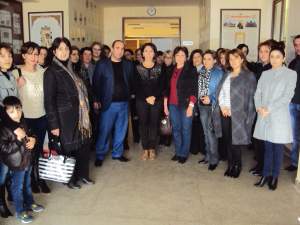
pixel 16 146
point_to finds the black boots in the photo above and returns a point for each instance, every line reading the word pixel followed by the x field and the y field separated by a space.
pixel 273 183
pixel 4 211
pixel 44 187
pixel 228 172
pixel 38 185
pixel 262 182
pixel 233 171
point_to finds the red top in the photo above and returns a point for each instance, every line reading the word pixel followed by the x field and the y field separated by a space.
pixel 173 98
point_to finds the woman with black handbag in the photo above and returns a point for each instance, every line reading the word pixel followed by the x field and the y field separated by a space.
pixel 67 110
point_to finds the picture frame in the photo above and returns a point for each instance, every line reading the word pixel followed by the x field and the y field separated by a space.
pixel 11 26
pixel 44 27
pixel 278 20
pixel 238 26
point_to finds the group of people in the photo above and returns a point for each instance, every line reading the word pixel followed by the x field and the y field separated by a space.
pixel 83 97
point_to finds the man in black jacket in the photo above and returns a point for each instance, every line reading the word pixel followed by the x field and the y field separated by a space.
pixel 295 108
pixel 111 84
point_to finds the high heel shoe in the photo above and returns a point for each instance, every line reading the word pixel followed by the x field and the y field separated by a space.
pixel 152 154
pixel 236 171
pixel 145 155
pixel 228 171
pixel 263 180
pixel 273 184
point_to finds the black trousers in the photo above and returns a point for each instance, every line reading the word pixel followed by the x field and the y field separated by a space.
pixel 38 127
pixel 82 156
pixel 149 118
pixel 259 153
pixel 134 121
pixel 234 152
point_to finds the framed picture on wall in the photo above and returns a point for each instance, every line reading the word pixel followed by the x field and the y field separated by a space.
pixel 277 20
pixel 238 26
pixel 11 26
pixel 44 27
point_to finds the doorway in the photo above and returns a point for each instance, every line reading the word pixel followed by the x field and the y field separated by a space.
pixel 164 32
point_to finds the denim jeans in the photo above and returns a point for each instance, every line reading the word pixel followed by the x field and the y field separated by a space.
pixel 21 190
pixel 295 119
pixel 181 130
pixel 3 173
pixel 113 121
pixel 211 141
pixel 273 159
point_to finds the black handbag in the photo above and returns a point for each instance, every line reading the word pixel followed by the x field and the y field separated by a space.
pixel 54 144
pixel 165 126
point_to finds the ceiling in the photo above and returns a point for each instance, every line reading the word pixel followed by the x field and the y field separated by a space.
pixel 111 3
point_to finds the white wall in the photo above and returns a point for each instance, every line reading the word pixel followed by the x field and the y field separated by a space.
pixel 42 6
pixel 112 20
pixel 216 5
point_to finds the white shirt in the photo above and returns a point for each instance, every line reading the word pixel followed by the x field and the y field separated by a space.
pixel 32 93
pixel 224 96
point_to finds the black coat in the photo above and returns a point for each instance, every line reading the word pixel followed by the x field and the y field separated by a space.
pixel 13 152
pixel 295 65
pixel 187 84
pixel 62 106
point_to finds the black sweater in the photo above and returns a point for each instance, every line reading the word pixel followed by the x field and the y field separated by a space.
pixel 149 82
pixel 295 65
pixel 258 68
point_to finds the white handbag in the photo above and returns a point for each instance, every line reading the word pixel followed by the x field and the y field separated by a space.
pixel 57 168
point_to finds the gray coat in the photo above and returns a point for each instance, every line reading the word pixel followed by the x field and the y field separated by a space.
pixel 7 87
pixel 242 89
pixel 275 90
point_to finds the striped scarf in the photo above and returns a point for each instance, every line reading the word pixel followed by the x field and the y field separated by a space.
pixel 84 124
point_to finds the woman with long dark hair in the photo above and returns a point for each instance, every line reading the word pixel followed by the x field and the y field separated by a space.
pixel 149 83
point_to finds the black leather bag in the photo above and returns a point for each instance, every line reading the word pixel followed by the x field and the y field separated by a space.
pixel 165 126
pixel 54 144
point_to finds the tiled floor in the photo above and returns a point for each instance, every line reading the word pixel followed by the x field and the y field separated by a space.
pixel 163 192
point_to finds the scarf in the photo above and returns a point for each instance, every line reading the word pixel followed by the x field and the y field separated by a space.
pixel 203 82
pixel 84 124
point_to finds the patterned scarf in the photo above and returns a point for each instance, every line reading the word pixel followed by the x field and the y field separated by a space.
pixel 203 82
pixel 84 124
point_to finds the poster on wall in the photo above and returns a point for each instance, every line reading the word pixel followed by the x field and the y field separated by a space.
pixel 44 27
pixel 5 35
pixel 5 18
pixel 241 26
pixel 16 23
pixel 17 44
